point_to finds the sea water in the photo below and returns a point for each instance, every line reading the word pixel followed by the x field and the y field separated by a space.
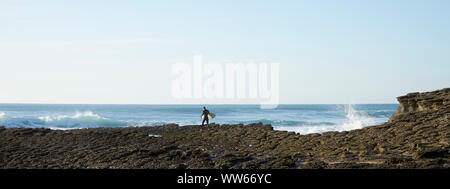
pixel 302 119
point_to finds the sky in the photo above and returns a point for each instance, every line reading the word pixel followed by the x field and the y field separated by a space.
pixel 121 52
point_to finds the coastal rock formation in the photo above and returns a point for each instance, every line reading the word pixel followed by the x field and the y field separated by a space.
pixel 417 136
pixel 422 102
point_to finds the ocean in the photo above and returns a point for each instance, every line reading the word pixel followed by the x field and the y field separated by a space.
pixel 302 119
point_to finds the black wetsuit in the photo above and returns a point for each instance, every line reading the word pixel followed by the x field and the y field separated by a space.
pixel 205 115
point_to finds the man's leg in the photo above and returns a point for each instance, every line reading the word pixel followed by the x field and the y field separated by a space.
pixel 207 122
pixel 203 122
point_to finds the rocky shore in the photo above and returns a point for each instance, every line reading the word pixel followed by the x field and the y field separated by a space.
pixel 416 136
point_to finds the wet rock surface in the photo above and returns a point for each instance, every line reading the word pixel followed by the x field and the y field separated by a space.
pixel 417 136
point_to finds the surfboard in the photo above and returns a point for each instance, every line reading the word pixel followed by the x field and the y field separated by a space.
pixel 210 116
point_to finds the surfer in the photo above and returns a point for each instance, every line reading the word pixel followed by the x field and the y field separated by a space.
pixel 205 116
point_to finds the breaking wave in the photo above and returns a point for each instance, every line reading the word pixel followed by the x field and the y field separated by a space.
pixel 78 120
pixel 354 120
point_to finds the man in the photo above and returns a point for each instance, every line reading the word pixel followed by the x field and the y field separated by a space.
pixel 205 116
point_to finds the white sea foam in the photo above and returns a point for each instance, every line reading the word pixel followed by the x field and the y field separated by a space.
pixel 46 118
pixel 355 120
pixel 308 129
pixel 63 129
pixel 87 114
pixel 77 115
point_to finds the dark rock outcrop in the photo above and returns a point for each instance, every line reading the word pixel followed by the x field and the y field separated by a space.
pixel 417 136
pixel 423 102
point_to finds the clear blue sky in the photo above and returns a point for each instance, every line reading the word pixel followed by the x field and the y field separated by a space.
pixel 121 51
